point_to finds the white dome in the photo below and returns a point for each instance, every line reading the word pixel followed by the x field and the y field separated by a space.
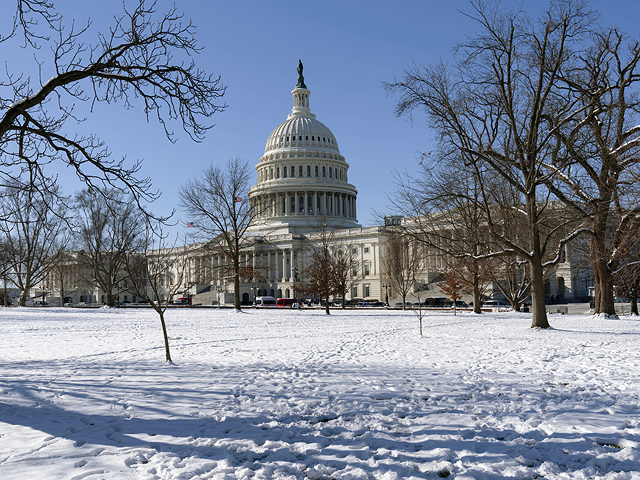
pixel 302 132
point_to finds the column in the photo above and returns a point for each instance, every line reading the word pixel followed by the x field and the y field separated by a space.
pixel 296 202
pixel 269 265
pixel 291 266
pixel 284 266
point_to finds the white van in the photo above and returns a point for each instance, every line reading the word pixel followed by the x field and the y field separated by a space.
pixel 265 302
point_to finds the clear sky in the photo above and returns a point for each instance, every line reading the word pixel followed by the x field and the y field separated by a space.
pixel 348 47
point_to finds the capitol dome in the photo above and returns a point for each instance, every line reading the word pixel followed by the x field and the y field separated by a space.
pixel 302 177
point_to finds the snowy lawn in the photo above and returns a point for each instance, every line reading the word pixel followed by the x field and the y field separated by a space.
pixel 85 394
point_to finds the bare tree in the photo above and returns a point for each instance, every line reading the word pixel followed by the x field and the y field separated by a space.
pixel 137 61
pixel 156 271
pixel 400 262
pixel 62 273
pixel 346 269
pixel 499 110
pixel 444 211
pixel 595 173
pixel 32 226
pixel 218 206
pixel 320 273
pixel 110 227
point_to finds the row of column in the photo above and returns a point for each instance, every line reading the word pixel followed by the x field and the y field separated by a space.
pixel 272 264
pixel 330 204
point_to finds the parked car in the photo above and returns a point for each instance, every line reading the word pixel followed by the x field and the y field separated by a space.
pixel 459 304
pixel 493 303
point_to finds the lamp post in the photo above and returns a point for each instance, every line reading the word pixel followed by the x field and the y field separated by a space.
pixel 386 287
pixel 254 287
pixel 218 290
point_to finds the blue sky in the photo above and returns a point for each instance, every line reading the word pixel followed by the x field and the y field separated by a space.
pixel 348 49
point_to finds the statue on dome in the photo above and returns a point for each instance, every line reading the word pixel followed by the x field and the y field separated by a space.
pixel 300 77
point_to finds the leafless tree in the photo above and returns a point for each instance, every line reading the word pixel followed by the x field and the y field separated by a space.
pixel 218 206
pixel 400 262
pixel 32 226
pixel 156 272
pixel 138 61
pixel 444 210
pixel 62 273
pixel 320 273
pixel 499 107
pixel 347 270
pixel 452 286
pixel 110 226
pixel 596 171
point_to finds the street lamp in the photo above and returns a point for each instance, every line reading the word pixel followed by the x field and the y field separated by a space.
pixel 218 290
pixel 254 287
pixel 386 287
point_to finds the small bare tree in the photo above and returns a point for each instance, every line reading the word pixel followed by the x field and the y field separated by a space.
pixel 346 269
pixel 400 263
pixel 156 272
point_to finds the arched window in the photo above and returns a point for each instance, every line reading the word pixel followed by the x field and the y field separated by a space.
pixel 293 172
pixel 308 170
pixel 330 172
pixel 324 172
pixel 278 172
pixel 284 172
pixel 300 171
pixel 316 170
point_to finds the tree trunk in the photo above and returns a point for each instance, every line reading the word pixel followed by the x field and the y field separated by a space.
pixel 110 299
pixel 538 309
pixel 166 338
pixel 477 308
pixel 326 302
pixel 605 300
pixel 236 277
pixel 634 303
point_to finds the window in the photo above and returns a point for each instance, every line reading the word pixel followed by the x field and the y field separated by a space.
pixel 293 172
pixel 301 204
pixel 300 138
pixel 354 251
pixel 310 204
pixel 354 291
pixel 366 249
pixel 316 170
pixel 270 173
pixel 284 172
pixel 308 171
pixel 300 171
pixel 367 269
pixel 365 290
pixel 324 171
pixel 293 205
pixel 307 138
pixel 313 138
pixel 278 172
pixel 354 270
pixel 330 172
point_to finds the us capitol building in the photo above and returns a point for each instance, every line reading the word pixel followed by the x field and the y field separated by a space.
pixel 302 193
pixel 303 183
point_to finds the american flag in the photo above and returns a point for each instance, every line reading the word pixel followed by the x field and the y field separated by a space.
pixel 189 224
pixel 237 199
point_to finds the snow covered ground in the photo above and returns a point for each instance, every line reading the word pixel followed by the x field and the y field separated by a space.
pixel 85 394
